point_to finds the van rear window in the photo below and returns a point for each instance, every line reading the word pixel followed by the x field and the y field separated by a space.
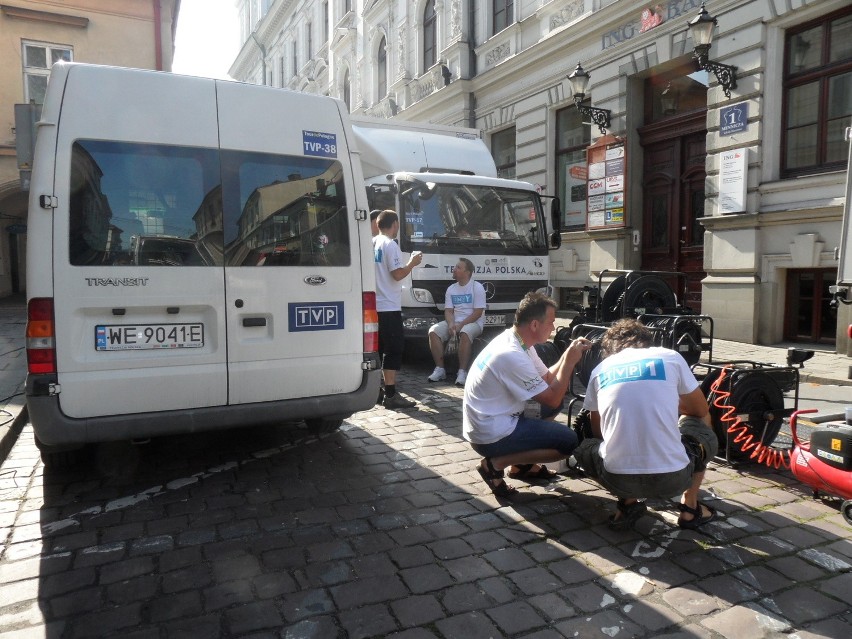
pixel 284 211
pixel 161 205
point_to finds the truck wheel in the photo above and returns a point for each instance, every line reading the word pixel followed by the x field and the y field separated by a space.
pixel 321 426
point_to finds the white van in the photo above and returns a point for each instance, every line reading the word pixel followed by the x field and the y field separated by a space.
pixel 198 258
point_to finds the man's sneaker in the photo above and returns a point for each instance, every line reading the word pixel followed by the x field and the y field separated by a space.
pixel 437 375
pixel 461 378
pixel 397 402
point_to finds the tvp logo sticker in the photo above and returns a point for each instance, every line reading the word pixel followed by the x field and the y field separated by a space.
pixel 315 316
pixel 320 144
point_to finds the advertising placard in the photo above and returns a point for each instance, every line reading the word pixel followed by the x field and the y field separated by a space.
pixel 606 184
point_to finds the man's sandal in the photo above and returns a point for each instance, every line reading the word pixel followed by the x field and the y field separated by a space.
pixel 501 489
pixel 697 520
pixel 525 472
pixel 626 514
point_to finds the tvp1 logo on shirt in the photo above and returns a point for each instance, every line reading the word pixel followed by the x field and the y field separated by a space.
pixel 315 316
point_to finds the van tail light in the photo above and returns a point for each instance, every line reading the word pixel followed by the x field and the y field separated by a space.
pixel 41 342
pixel 371 322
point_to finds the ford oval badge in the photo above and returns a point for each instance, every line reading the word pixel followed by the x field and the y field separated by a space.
pixel 315 280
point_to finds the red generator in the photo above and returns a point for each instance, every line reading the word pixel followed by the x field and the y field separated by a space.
pixel 825 462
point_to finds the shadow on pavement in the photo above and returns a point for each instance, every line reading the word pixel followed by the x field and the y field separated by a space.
pixel 385 529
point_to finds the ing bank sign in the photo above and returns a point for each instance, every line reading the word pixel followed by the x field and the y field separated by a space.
pixel 651 17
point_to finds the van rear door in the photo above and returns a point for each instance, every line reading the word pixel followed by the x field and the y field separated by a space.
pixel 292 263
pixel 138 297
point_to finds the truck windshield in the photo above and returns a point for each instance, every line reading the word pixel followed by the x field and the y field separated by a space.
pixel 471 219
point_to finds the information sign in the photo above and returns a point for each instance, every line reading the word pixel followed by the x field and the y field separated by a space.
pixel 606 184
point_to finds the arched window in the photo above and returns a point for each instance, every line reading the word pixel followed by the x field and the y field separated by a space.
pixel 430 35
pixel 382 68
pixel 347 91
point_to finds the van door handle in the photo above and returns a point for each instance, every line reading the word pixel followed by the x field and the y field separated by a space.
pixel 254 321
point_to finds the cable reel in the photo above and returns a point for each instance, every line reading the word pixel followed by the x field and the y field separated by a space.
pixel 747 408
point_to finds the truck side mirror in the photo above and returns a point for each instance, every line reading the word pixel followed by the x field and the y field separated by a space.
pixel 556 223
pixel 556 215
pixel 555 240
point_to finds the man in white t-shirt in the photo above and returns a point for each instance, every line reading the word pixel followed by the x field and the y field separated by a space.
pixel 390 271
pixel 640 448
pixel 464 318
pixel 511 397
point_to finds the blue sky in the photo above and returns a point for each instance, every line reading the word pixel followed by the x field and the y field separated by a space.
pixel 207 38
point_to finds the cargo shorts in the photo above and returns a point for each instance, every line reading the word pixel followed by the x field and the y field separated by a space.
pixel 699 442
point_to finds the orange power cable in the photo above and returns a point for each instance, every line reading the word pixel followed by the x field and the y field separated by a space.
pixel 772 457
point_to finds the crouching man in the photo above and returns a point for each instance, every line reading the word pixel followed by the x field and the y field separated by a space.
pixel 640 447
pixel 511 399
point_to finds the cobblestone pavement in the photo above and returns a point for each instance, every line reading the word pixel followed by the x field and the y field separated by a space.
pixel 384 529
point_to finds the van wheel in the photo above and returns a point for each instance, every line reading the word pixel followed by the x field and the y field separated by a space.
pixel 323 426
pixel 60 457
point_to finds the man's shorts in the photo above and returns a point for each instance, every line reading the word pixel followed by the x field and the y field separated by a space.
pixel 391 340
pixel 699 441
pixel 442 330
pixel 531 434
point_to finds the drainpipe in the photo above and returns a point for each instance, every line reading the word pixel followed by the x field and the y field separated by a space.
pixel 263 56
pixel 158 36
pixel 471 46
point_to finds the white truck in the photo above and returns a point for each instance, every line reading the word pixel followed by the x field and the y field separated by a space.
pixel 442 182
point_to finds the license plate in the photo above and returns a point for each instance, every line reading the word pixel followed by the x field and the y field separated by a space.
pixel 495 320
pixel 138 337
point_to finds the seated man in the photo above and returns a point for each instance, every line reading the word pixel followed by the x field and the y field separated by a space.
pixel 640 448
pixel 510 394
pixel 464 318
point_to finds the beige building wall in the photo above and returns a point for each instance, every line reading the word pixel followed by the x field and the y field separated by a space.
pixel 129 33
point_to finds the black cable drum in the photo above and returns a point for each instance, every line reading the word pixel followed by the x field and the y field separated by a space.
pixel 756 396
pixel 676 333
pixel 591 357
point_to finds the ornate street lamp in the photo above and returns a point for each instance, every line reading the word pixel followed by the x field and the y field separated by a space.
pixel 701 29
pixel 579 80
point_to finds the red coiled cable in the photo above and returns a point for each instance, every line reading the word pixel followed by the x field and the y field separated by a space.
pixel 762 454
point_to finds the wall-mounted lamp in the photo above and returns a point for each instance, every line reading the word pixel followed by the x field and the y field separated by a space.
pixel 701 29
pixel 579 80
pixel 669 100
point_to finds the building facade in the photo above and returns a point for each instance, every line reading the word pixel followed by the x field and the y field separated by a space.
pixel 739 188
pixel 34 34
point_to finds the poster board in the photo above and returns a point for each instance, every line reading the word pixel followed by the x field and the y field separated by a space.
pixel 733 181
pixel 606 185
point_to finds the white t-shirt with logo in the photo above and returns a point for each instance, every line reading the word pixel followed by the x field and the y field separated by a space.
pixel 501 380
pixel 464 300
pixel 637 392
pixel 388 258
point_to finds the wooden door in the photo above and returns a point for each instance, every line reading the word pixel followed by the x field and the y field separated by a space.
pixel 808 316
pixel 673 199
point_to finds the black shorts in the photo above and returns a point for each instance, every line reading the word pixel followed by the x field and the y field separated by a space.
pixel 391 340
